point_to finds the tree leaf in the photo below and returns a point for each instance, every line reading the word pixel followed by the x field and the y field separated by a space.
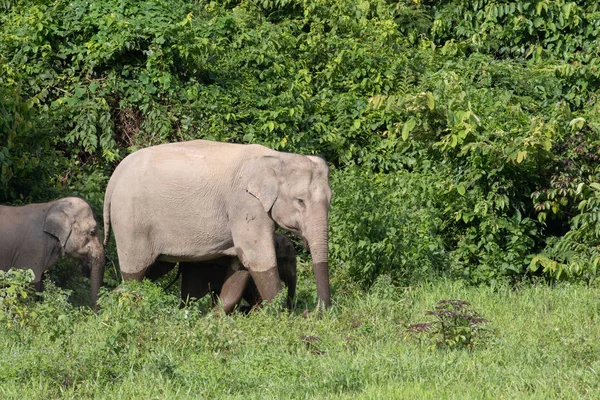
pixel 408 126
pixel 430 101
pixel 577 123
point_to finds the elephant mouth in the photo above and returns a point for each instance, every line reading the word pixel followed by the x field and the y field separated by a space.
pixel 88 263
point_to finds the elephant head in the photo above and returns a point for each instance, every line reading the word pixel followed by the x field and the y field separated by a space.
pixel 295 190
pixel 72 222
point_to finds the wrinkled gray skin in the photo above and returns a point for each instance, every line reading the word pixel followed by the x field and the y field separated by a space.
pixel 36 235
pixel 223 277
pixel 201 200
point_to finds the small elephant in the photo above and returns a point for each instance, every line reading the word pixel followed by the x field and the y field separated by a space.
pixel 201 200
pixel 229 281
pixel 36 235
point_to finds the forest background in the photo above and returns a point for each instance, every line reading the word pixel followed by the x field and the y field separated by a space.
pixel 463 136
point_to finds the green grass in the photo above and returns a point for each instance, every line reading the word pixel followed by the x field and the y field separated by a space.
pixel 544 343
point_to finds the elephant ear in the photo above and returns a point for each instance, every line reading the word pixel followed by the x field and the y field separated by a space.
pixel 58 224
pixel 263 182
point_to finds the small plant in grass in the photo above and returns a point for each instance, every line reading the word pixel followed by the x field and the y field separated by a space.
pixel 456 325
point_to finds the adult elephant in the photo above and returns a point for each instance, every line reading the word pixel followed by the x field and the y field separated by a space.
pixel 36 235
pixel 222 278
pixel 201 200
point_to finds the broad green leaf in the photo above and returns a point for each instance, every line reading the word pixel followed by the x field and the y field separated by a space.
pixel 566 9
pixel 430 101
pixel 577 123
pixel 453 140
pixel 407 128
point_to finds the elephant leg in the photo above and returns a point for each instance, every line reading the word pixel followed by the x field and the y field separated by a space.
pixel 200 278
pixel 251 294
pixel 136 254
pixel 267 282
pixel 256 251
pixel 286 264
pixel 159 269
pixel 233 289
pixel 38 283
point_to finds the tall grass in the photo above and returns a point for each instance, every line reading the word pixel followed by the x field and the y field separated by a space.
pixel 543 343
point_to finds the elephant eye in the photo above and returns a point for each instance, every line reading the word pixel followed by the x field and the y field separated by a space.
pixel 300 202
pixel 93 232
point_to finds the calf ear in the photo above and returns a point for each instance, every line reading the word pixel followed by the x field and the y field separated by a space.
pixel 58 224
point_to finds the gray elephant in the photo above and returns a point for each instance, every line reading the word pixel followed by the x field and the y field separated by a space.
pixel 202 200
pixel 210 277
pixel 36 235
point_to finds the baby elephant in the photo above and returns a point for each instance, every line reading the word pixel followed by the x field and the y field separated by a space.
pixel 36 235
pixel 227 280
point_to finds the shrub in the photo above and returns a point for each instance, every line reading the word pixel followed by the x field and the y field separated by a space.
pixel 456 325
pixel 385 224
pixel 16 297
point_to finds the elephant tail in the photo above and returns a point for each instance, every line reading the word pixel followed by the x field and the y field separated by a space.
pixel 107 197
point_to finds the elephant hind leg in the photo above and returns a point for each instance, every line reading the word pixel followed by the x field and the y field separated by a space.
pixel 136 276
pixel 135 268
pixel 136 254
pixel 200 278
pixel 159 269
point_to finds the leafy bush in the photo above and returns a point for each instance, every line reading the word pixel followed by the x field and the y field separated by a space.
pixel 16 296
pixel 395 230
pixel 492 103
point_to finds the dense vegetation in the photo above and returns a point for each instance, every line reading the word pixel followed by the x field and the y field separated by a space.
pixel 468 131
pixel 464 142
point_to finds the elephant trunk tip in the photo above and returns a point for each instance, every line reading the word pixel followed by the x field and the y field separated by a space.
pixel 322 280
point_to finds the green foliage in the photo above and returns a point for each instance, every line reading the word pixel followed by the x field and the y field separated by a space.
pixel 562 35
pixel 492 103
pixel 463 138
pixel 16 295
pixel 395 231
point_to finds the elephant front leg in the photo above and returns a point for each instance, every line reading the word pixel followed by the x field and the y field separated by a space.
pixel 38 285
pixel 267 282
pixel 256 251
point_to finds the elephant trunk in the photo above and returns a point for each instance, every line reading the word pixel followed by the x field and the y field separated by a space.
pixel 319 247
pixel 96 263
